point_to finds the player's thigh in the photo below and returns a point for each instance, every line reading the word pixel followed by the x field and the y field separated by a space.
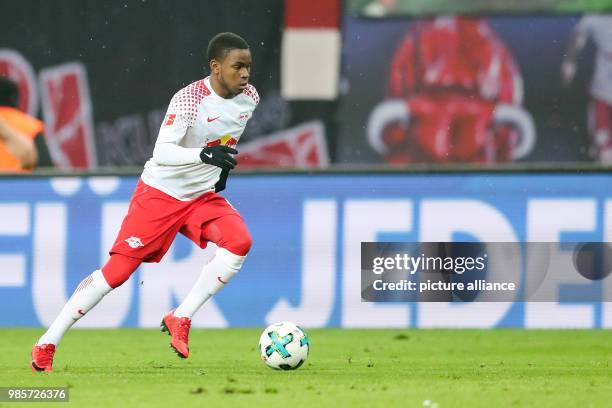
pixel 153 220
pixel 216 220
pixel 229 232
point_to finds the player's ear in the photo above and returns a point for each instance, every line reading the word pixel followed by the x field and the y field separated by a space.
pixel 215 66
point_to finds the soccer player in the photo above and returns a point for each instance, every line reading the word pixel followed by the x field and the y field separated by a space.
pixel 178 192
pixel 598 27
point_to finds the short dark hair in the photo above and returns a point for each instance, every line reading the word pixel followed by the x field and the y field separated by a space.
pixel 9 93
pixel 221 44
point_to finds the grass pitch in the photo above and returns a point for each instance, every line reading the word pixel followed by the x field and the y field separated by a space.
pixel 370 368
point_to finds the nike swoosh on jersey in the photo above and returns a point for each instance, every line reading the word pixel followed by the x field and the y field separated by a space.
pixel 213 119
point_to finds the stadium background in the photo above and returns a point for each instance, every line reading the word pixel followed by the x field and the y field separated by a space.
pixel 101 73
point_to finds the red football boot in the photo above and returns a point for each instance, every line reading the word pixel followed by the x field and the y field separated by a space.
pixel 178 328
pixel 42 357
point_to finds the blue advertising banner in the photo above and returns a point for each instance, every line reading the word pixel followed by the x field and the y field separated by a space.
pixel 305 263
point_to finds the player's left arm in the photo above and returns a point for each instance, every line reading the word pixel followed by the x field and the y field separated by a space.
pixel 254 101
pixel 220 185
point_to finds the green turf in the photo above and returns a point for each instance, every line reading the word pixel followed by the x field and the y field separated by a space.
pixel 370 368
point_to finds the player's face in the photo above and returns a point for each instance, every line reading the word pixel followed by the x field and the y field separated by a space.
pixel 233 71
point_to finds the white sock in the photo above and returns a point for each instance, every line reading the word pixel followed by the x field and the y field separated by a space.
pixel 219 271
pixel 89 292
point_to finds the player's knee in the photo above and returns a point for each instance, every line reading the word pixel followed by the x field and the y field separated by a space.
pixel 240 245
pixel 114 278
pixel 118 269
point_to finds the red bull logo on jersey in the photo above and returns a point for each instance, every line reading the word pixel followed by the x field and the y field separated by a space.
pixel 225 140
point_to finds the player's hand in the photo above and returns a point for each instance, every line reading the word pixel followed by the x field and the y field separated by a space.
pixel 219 156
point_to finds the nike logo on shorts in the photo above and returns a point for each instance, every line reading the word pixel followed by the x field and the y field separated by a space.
pixel 213 119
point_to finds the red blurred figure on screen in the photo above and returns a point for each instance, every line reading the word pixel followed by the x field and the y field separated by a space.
pixel 177 192
pixel 453 90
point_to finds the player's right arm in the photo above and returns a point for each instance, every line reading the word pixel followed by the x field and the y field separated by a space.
pixel 177 121
pixel 168 151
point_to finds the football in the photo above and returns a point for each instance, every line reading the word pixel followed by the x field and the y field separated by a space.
pixel 284 346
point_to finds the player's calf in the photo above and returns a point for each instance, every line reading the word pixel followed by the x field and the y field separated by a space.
pixel 216 274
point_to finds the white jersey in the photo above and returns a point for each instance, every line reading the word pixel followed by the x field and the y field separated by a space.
pixel 599 27
pixel 197 117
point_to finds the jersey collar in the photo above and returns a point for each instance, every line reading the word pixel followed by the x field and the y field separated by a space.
pixel 212 91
